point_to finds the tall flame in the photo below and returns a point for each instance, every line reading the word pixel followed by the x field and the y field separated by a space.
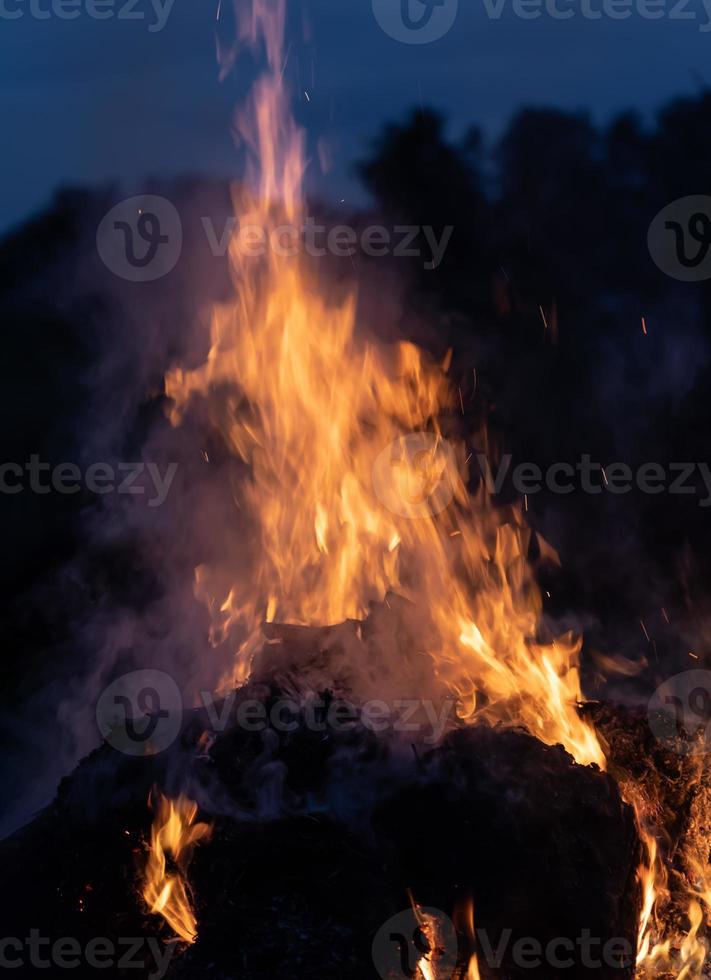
pixel 322 418
pixel 173 836
pixel 319 414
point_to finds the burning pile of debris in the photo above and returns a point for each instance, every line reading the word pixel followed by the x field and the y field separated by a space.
pixel 324 816
pixel 326 821
pixel 417 791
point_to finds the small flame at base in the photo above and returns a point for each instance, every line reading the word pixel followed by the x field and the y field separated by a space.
pixel 173 835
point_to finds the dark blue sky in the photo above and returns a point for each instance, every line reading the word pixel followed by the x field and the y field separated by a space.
pixel 87 101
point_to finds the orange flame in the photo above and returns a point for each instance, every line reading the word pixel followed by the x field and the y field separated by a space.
pixel 174 834
pixel 346 507
pixel 664 948
pixel 426 967
pixel 468 922
pixel 345 510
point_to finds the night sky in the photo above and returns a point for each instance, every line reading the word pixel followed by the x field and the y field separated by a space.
pixel 87 101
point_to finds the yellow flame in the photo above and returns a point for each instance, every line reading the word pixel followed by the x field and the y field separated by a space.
pixel 663 948
pixel 173 835
pixel 316 411
pixel 468 916
pixel 344 512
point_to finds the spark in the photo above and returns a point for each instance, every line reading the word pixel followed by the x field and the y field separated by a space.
pixel 525 501
pixel 604 475
pixel 644 326
pixel 308 97
pixel 692 654
pixel 468 458
pixel 664 614
pixel 644 629
pixel 461 400
pixel 543 317
pixel 285 62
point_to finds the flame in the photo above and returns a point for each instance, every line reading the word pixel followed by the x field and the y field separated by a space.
pixel 174 834
pixel 426 966
pixel 466 916
pixel 664 948
pixel 346 506
pixel 473 969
